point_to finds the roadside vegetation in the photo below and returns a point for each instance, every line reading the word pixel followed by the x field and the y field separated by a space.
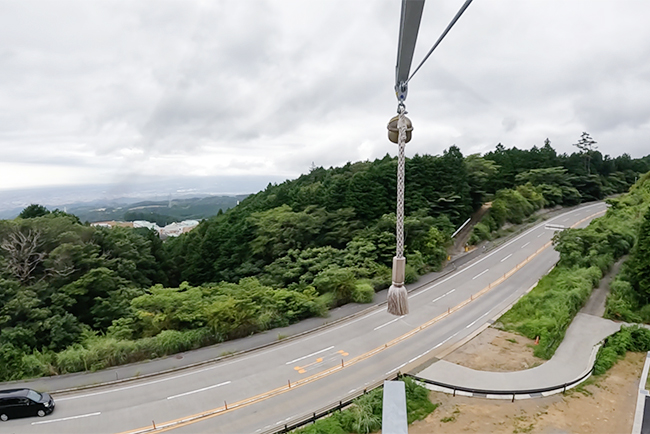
pixel 635 339
pixel 585 255
pixel 629 299
pixel 75 297
pixel 365 414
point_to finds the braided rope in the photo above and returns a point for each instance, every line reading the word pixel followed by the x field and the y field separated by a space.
pixel 401 143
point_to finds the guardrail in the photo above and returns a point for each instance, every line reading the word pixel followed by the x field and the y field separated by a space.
pixel 329 409
pixel 348 400
pixel 514 393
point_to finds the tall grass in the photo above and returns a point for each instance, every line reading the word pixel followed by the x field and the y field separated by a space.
pixel 104 351
pixel 550 307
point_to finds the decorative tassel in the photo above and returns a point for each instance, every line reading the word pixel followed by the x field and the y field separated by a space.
pixel 397 296
pixel 398 300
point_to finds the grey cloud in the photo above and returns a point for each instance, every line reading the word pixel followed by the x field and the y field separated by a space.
pixel 293 82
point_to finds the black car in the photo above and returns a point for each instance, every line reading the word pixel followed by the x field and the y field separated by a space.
pixel 24 402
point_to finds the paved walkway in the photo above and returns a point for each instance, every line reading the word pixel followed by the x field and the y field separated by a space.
pixel 573 359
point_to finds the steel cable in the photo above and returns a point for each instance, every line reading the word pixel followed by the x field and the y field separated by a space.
pixel 451 24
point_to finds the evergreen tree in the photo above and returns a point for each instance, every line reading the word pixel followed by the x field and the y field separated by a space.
pixel 587 146
pixel 33 211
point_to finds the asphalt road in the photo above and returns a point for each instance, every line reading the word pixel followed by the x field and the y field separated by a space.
pixel 269 387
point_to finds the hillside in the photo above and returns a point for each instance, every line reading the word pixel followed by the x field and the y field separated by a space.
pixel 167 211
pixel 75 297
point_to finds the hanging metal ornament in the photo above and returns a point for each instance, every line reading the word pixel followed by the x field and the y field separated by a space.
pixel 399 131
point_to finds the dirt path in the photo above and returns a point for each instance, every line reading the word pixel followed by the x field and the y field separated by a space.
pixel 496 350
pixel 603 404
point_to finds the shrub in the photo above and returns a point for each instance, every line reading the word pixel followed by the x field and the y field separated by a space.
pixel 382 278
pixel 363 293
pixel 339 281
pixel 617 345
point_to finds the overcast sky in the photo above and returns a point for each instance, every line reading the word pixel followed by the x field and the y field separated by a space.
pixel 113 91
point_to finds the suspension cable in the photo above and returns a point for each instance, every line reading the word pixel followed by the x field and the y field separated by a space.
pixel 460 12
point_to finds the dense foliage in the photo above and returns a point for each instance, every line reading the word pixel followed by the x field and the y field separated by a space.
pixel 75 297
pixel 524 181
pixel 633 338
pixel 585 254
pixel 629 299
pixel 365 414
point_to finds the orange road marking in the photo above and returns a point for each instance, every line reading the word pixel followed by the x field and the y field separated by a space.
pixel 301 369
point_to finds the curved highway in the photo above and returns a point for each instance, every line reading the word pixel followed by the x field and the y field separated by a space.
pixel 269 387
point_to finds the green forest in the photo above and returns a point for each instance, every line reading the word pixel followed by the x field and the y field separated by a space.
pixel 75 297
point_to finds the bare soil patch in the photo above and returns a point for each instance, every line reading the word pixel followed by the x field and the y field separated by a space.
pixel 603 404
pixel 496 350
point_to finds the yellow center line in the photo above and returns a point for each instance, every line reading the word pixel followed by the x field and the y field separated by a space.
pixel 188 420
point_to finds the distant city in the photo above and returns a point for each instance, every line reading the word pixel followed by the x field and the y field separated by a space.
pixel 86 201
pixel 171 230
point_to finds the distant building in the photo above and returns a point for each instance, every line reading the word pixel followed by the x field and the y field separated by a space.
pixel 146 224
pixel 171 230
pixel 112 224
pixel 176 229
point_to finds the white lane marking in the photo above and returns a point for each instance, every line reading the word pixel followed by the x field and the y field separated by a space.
pixel 443 295
pixel 525 244
pixel 198 390
pixel 445 340
pixel 345 324
pixel 389 322
pixel 350 391
pixel 480 274
pixel 67 418
pixel 476 320
pixel 540 235
pixel 506 257
pixel 119 389
pixel 309 355
pixel 423 354
pixel 396 369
